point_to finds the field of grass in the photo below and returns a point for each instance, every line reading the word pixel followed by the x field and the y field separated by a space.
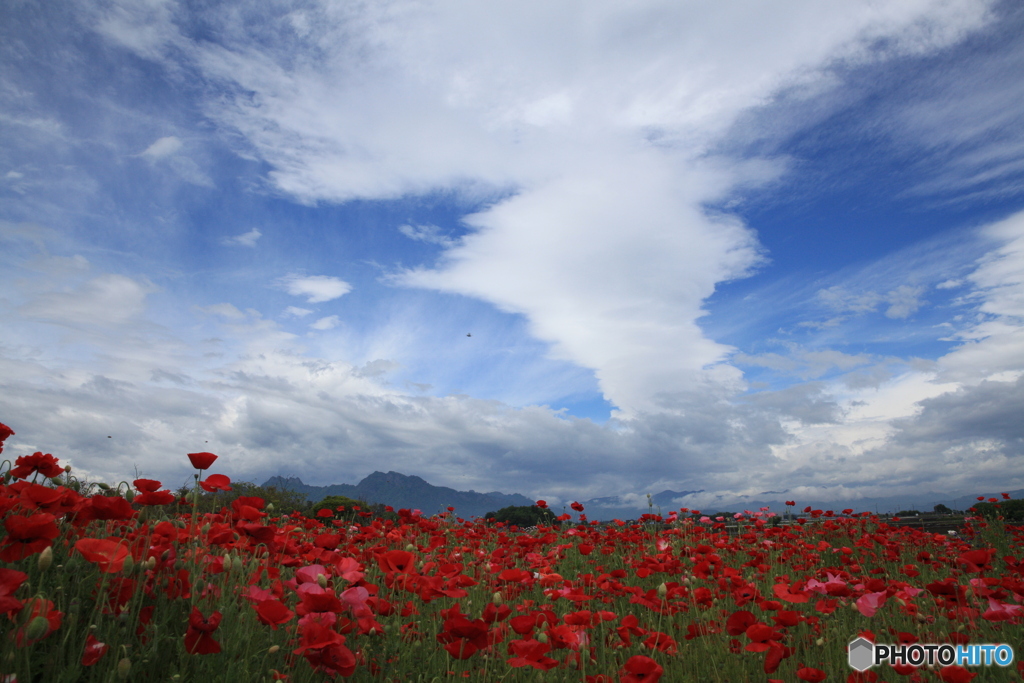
pixel 102 584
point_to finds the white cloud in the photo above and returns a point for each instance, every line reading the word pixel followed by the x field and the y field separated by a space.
pixel 431 234
pixel 105 300
pixel 316 288
pixel 162 148
pixel 596 128
pixel 328 323
pixel 903 301
pixel 592 136
pixel 246 239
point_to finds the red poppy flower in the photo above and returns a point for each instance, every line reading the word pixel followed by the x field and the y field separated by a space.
pixel 198 640
pixel 155 498
pixel 201 461
pixel 762 637
pixel 36 608
pixel 807 673
pixel 273 613
pixel 28 535
pixel 108 508
pixel 5 432
pixel 10 582
pixel 44 464
pixel 577 507
pixel 956 674
pixel 739 621
pixel 146 485
pixel 783 592
pixel 397 561
pixel 109 554
pixel 531 653
pixel 94 651
pixel 542 504
pixel 790 502
pixel 216 482
pixel 977 560
pixel 774 656
pixel 640 669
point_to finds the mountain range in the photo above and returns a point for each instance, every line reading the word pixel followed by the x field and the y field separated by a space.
pixel 405 491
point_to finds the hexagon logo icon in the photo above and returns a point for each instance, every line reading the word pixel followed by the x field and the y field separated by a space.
pixel 862 654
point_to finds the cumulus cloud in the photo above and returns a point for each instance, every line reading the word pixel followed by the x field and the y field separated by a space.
pixel 316 288
pixel 296 312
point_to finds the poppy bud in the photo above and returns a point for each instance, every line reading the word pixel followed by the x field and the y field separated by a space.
pixel 129 566
pixel 542 637
pixel 498 599
pixel 102 486
pixel 124 667
pixel 37 628
pixel 273 649
pixel 150 564
pixel 410 548
pixel 662 591
pixel 819 642
pixel 321 580
pixel 67 469
pixel 206 529
pixel 270 507
pixel 129 495
pixel 45 559
pixel 56 480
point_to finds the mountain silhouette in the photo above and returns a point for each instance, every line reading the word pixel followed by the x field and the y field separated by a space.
pixel 404 491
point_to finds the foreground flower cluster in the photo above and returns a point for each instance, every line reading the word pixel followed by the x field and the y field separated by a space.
pixel 138 585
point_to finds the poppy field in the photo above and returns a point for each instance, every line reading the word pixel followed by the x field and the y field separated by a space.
pixel 138 583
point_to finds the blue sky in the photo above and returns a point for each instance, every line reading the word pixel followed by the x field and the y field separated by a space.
pixel 735 248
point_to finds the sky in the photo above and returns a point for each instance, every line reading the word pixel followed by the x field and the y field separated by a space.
pixel 565 249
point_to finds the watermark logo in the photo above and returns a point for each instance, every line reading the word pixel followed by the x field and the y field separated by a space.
pixel 863 654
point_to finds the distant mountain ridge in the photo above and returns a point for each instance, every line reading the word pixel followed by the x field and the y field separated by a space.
pixel 405 491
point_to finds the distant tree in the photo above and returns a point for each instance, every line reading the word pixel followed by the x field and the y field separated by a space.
pixel 522 516
pixel 284 501
pixel 1010 510
pixel 342 506
pixel 941 509
pixel 908 513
